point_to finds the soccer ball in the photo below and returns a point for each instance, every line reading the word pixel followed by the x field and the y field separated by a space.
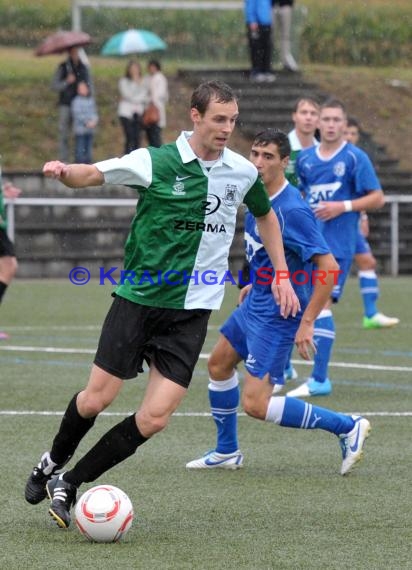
pixel 104 514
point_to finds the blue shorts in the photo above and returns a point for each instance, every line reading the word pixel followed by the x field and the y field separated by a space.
pixel 362 245
pixel 345 265
pixel 263 341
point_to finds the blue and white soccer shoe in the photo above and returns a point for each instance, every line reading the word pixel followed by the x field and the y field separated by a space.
pixel 214 460
pixel 352 444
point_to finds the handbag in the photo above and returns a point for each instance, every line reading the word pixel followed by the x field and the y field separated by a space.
pixel 151 115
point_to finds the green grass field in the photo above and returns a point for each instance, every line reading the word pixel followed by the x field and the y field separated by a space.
pixel 287 509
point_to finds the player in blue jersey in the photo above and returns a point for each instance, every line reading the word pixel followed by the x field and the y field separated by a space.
pixel 365 260
pixel 257 334
pixel 339 182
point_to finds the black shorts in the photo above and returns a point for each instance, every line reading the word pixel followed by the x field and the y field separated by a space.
pixel 171 338
pixel 6 246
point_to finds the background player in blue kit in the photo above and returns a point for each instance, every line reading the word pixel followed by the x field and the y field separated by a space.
pixel 365 260
pixel 339 182
pixel 257 334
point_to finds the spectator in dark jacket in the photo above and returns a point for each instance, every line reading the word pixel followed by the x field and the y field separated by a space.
pixel 65 81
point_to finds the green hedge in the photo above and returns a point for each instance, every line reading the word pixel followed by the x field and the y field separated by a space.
pixel 337 34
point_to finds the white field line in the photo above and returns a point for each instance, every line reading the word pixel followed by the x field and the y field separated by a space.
pixel 203 356
pixel 183 414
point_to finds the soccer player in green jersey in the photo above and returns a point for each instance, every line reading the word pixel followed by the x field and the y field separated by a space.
pixel 189 192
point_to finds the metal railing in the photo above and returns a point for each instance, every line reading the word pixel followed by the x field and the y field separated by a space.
pixel 393 200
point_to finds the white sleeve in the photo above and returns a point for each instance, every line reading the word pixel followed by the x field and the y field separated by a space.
pixel 133 169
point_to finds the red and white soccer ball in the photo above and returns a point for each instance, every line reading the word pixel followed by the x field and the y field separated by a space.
pixel 104 514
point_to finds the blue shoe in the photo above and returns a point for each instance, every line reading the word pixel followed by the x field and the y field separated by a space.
pixel 352 444
pixel 311 388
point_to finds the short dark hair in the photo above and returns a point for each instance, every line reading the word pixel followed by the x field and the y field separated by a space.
pixel 306 99
pixel 155 63
pixel 274 136
pixel 333 103
pixel 208 90
pixel 352 122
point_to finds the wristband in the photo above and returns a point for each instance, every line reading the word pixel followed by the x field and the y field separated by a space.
pixel 347 204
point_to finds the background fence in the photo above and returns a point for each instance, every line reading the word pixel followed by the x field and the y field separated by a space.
pixel 50 241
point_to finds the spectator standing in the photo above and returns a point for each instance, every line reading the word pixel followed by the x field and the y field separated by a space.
pixel 68 75
pixel 133 98
pixel 258 16
pixel 159 96
pixel 8 261
pixel 85 119
pixel 282 14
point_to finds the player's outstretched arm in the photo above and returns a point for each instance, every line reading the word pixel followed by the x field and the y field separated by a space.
pixel 74 175
pixel 323 278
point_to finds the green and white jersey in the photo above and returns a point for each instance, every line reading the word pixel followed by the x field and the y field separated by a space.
pixel 176 254
pixel 296 147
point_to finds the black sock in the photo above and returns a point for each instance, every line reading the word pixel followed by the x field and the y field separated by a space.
pixel 72 430
pixel 116 445
pixel 3 287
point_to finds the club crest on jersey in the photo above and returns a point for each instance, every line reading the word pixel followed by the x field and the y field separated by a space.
pixel 178 189
pixel 230 195
pixel 339 169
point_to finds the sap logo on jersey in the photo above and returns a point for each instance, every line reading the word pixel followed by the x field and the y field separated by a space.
pixel 323 192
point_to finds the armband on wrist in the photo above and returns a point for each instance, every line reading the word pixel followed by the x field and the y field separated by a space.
pixel 347 204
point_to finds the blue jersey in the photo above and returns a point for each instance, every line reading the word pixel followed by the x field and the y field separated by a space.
pixel 301 241
pixel 347 175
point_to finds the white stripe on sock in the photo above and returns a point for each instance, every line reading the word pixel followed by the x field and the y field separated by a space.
pixel 326 333
pixel 224 385
pixel 275 409
pixel 324 313
pixel 306 416
pixel 368 274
